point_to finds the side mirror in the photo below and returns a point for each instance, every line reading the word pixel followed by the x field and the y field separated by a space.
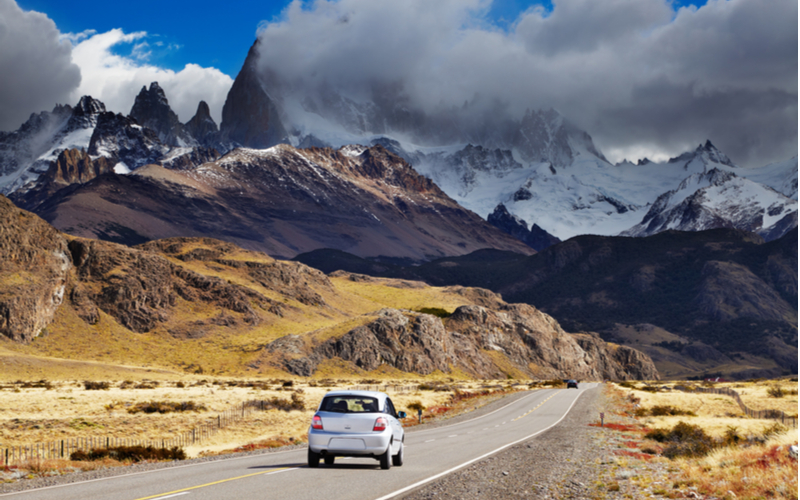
pixel 401 414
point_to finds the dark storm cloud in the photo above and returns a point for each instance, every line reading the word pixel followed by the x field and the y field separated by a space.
pixel 37 68
pixel 641 78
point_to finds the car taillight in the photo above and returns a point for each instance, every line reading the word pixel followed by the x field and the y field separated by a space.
pixel 316 423
pixel 380 425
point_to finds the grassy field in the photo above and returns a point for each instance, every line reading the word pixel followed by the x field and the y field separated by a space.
pixel 725 454
pixel 68 410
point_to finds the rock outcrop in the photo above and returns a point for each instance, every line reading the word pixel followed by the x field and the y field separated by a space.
pixel 140 288
pixel 515 339
pixel 34 266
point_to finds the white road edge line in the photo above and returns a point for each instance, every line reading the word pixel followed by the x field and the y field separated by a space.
pixel 437 476
pixel 170 496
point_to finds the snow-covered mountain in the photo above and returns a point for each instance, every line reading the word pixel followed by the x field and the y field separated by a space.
pixel 150 133
pixel 28 152
pixel 718 198
pixel 539 166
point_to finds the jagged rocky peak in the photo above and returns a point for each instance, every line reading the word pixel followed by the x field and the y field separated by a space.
pixel 121 138
pixel 85 114
pixel 706 153
pixel 202 127
pixel 151 109
pixel 88 106
pixel 546 136
pixel 535 237
pixel 250 118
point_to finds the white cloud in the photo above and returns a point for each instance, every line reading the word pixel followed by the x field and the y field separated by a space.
pixel 640 77
pixel 35 63
pixel 116 79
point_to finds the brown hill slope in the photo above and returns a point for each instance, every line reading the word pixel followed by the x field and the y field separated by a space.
pixel 202 305
pixel 282 201
pixel 699 303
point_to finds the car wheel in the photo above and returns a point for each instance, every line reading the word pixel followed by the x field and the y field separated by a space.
pixel 329 459
pixel 313 458
pixel 397 460
pixel 386 458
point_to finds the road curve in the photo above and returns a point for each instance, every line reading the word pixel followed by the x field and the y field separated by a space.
pixel 429 454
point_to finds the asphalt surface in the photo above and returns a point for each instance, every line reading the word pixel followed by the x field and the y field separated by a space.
pixel 429 454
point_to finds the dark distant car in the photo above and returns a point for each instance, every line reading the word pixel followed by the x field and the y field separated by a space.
pixel 572 383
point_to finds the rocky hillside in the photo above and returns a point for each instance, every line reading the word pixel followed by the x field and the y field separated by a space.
pixel 705 302
pixel 34 269
pixel 201 304
pixel 281 200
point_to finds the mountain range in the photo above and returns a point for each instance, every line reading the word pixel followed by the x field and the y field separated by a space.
pixel 691 247
pixel 539 167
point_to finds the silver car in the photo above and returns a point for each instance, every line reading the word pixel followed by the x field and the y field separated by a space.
pixel 356 424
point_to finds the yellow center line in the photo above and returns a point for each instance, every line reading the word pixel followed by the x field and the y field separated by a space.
pixel 536 408
pixel 216 482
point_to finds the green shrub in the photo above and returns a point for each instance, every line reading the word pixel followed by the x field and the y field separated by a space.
pixel 775 392
pixel 91 385
pixel 415 406
pixel 683 440
pixel 39 384
pixel 166 407
pixel 626 385
pixel 130 453
pixel 731 436
pixel 773 430
pixel 553 382
pixel 663 411
pixel 436 311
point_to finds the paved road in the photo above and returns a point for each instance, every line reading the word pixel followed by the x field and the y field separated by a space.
pixel 429 454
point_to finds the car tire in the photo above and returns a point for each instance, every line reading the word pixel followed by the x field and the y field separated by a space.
pixel 329 459
pixel 313 458
pixel 397 460
pixel 386 458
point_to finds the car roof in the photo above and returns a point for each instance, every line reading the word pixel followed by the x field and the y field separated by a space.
pixel 374 394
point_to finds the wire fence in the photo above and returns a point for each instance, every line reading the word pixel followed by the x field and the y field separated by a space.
pixel 63 448
pixel 398 389
pixel 778 415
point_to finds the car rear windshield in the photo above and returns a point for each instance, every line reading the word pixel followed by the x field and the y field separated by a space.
pixel 349 404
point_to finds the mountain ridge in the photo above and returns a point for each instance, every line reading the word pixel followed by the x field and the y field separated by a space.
pixel 195 295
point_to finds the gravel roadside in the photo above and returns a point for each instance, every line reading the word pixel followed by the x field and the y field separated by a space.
pixel 571 460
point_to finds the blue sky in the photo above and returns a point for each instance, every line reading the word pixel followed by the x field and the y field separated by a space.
pixel 208 33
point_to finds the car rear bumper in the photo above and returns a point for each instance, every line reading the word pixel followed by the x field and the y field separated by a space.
pixel 336 443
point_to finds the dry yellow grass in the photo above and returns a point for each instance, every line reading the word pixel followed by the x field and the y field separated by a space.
pixel 761 471
pixel 717 412
pixel 69 411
